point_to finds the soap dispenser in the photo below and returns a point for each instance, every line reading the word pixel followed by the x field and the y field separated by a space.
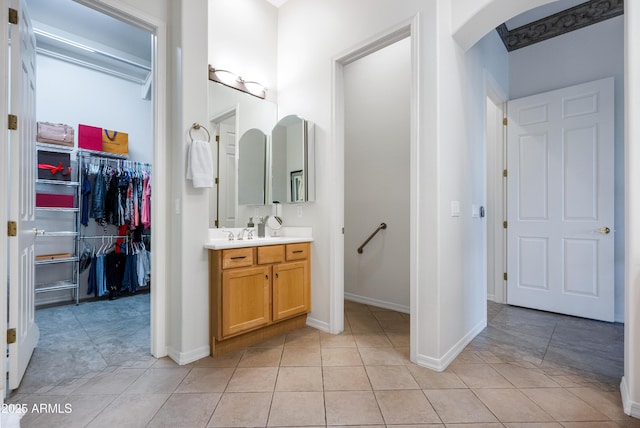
pixel 261 228
pixel 250 224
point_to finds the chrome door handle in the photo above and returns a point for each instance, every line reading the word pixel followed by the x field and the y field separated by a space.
pixel 604 230
pixel 38 232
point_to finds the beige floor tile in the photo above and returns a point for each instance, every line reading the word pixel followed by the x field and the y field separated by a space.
pixel 396 326
pixel 563 405
pixel 253 379
pixel 382 356
pixel 372 341
pixel 186 411
pixel 391 377
pixel 352 408
pixel 387 315
pixel 476 425
pixel 345 379
pixel 629 422
pixel 225 360
pixel 399 339
pixel 406 407
pixel 525 378
pixel 206 379
pixel 110 383
pixel 129 410
pixel 301 356
pixel 511 405
pixel 242 409
pixel 337 340
pixel 261 357
pixel 532 425
pixel 297 409
pixel 459 406
pixel 304 337
pixel 341 357
pixel 481 376
pixel 599 424
pixel 609 403
pixel 273 342
pixel 299 379
pixel 155 381
pixel 430 379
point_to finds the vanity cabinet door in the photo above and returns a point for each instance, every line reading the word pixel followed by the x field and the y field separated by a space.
pixel 291 289
pixel 245 299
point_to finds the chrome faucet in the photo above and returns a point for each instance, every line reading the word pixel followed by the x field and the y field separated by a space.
pixel 240 235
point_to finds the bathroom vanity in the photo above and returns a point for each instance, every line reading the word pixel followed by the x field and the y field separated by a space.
pixel 258 288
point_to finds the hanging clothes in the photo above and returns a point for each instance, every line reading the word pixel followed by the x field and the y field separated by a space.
pixel 146 201
pixel 85 191
pixel 97 199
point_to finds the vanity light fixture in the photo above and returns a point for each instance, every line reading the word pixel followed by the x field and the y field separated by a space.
pixel 234 81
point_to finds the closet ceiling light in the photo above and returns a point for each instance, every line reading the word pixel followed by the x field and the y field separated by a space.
pixel 234 81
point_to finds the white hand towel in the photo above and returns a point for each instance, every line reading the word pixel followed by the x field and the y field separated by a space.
pixel 200 164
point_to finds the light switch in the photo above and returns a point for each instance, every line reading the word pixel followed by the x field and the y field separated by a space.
pixel 475 211
pixel 299 211
pixel 455 208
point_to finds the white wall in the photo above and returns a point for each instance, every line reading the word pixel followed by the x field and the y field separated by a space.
pixel 569 60
pixel 71 94
pixel 377 151
pixel 243 39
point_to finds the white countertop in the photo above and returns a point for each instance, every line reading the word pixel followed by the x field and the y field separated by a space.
pixel 290 235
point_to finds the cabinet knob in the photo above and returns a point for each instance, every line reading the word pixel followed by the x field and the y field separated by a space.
pixel 277 276
pixel 266 277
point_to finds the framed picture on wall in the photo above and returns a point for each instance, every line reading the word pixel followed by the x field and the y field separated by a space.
pixel 297 186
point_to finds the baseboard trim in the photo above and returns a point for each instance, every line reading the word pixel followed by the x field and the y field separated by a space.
pixel 440 364
pixel 320 325
pixel 631 408
pixel 182 358
pixel 375 302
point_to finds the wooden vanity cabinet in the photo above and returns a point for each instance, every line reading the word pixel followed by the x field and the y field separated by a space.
pixel 257 292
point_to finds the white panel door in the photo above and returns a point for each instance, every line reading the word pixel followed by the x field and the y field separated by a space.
pixel 560 201
pixel 22 195
pixel 227 196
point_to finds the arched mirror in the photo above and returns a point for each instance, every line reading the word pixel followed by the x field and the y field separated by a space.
pixel 292 161
pixel 252 167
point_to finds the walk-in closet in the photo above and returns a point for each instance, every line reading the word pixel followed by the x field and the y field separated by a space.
pixel 93 192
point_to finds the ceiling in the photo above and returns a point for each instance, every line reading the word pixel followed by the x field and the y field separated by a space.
pixel 94 39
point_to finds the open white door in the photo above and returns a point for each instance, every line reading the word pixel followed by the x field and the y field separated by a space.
pixel 560 201
pixel 22 174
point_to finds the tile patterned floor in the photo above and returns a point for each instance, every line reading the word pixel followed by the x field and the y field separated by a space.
pixel 527 369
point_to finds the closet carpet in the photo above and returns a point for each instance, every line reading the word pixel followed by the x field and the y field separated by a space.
pixel 526 369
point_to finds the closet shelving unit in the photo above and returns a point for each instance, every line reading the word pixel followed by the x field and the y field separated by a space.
pixel 44 213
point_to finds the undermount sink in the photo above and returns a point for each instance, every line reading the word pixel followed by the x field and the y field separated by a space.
pixel 218 240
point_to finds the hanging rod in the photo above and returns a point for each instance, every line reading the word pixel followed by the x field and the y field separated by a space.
pixel 105 237
pixel 382 226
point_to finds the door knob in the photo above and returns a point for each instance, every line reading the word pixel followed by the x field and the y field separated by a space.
pixel 38 231
pixel 604 230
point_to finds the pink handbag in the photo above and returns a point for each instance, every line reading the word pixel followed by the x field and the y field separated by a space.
pixel 55 133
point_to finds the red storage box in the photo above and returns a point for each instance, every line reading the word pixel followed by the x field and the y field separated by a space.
pixel 51 200
pixel 89 137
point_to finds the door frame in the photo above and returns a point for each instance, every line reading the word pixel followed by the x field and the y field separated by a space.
pixel 159 247
pixel 497 213
pixel 408 28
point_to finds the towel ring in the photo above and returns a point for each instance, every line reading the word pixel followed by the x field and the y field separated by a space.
pixel 197 127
